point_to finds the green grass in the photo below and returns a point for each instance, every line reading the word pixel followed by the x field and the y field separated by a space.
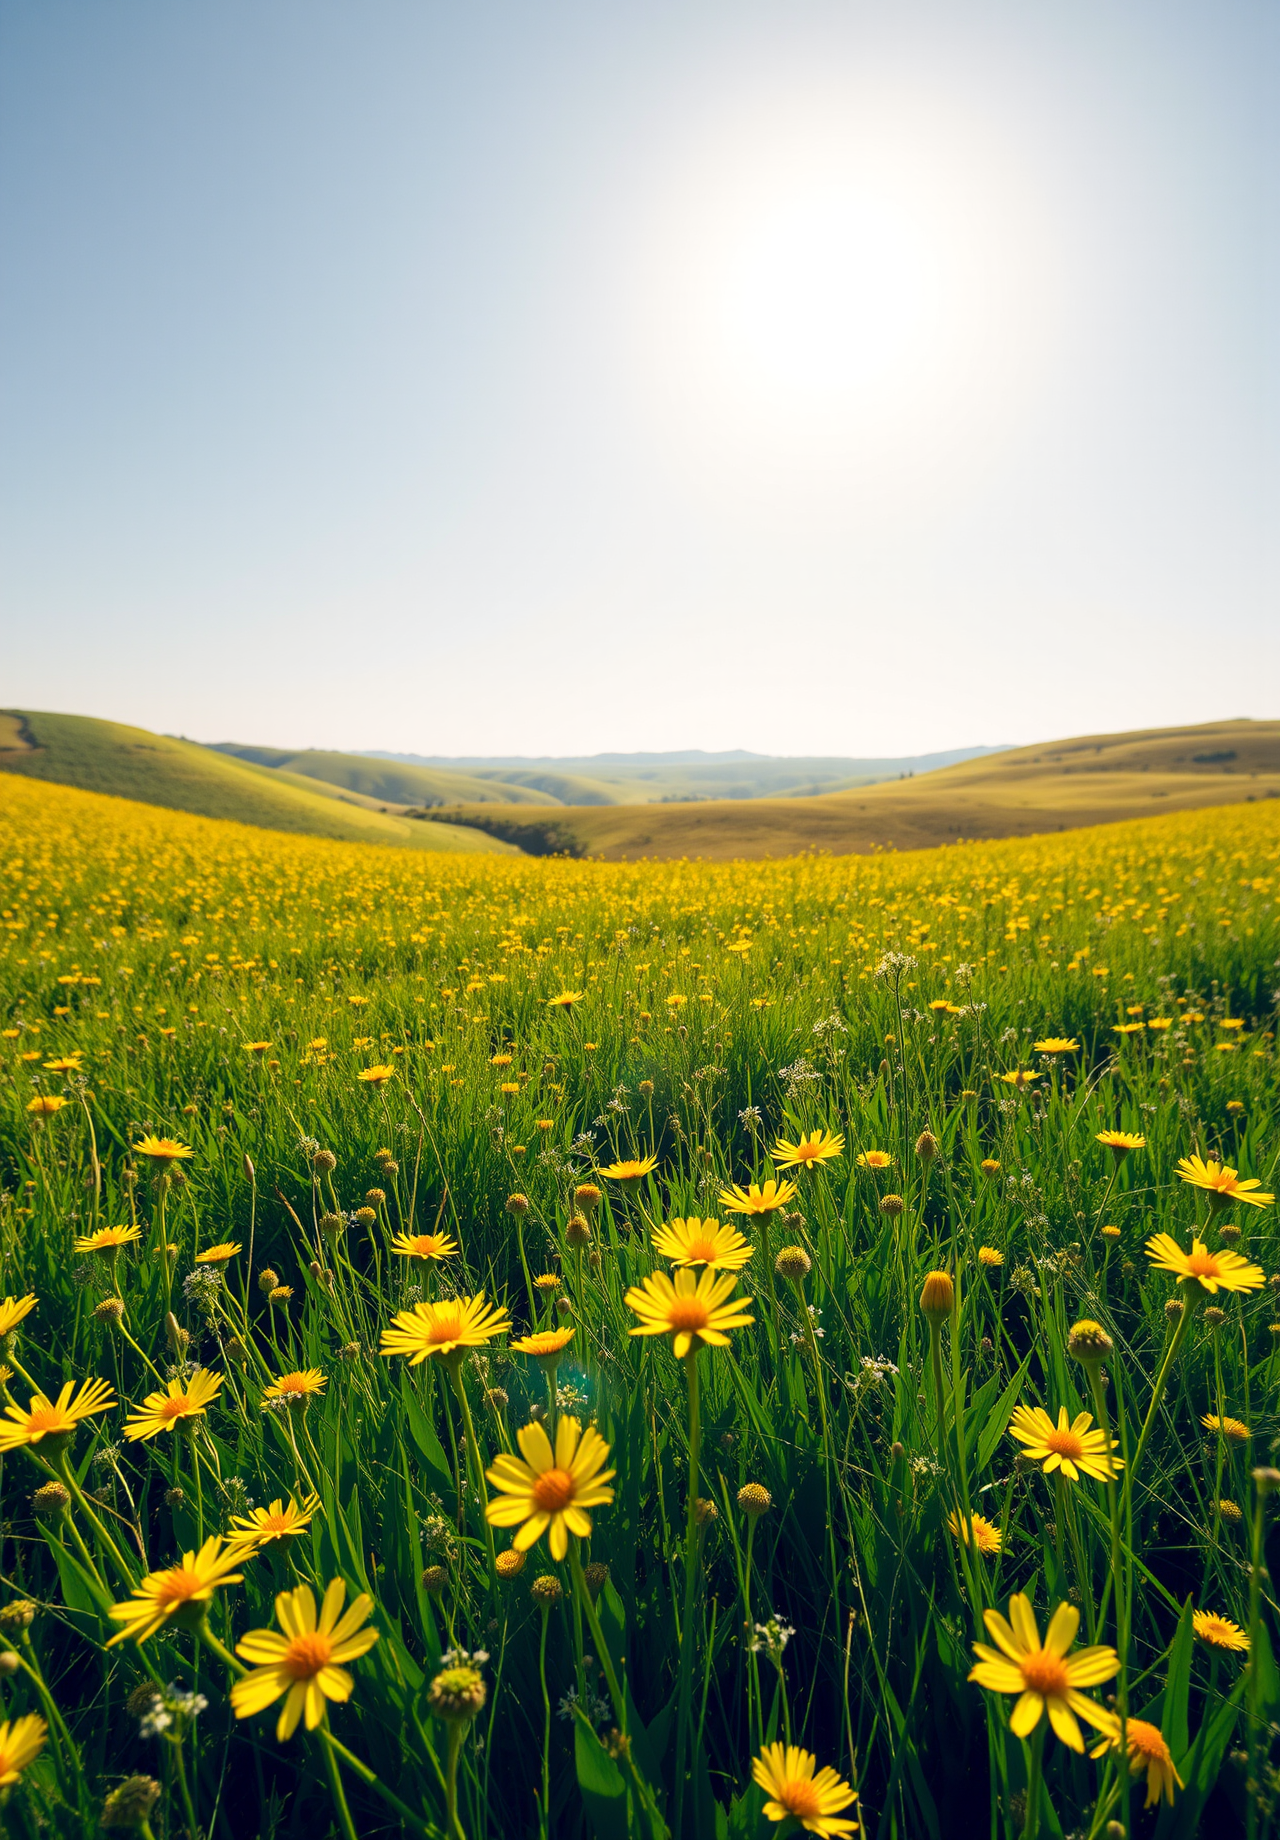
pixel 157 948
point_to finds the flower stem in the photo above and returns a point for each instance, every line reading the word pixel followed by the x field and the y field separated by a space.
pixel 690 1582
pixel 335 1787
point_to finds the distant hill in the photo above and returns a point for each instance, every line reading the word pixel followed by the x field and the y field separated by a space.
pixel 672 778
pixel 132 763
pixel 1052 786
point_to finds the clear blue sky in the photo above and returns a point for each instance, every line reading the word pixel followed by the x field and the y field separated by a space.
pixel 802 376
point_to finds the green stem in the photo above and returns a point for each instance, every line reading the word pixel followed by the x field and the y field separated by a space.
pixel 690 1584
pixel 451 1780
pixel 335 1787
pixel 545 1811
pixel 477 1470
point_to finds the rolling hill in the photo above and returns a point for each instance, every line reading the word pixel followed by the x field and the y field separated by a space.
pixel 1058 785
pixel 132 763
pixel 383 780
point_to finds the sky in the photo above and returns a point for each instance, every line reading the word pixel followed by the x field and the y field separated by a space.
pixel 807 377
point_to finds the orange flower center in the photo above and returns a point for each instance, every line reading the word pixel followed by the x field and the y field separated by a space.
pixel 178 1586
pixel 701 1249
pixel 805 1153
pixel 1044 1673
pixel 1202 1264
pixel 174 1408
pixel 553 1490
pixel 275 1523
pixel 1146 1741
pixel 306 1655
pixel 293 1383
pixel 801 1799
pixel 684 1313
pixel 445 1328
pixel 46 1418
pixel 1065 1443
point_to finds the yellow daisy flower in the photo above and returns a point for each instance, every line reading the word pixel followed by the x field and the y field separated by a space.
pixel 565 1000
pixel 1147 1751
pixel 424 1246
pixel 281 1521
pixel 297 1388
pixel 107 1239
pixel 757 1199
pixel 702 1242
pixel 1219 1631
pixel 13 1310
pixel 986 1535
pixel 546 1346
pixel 376 1076
pixel 695 1313
pixel 874 1159
pixel 1231 1428
pixel 54 1418
pixel 631 1170
pixel 1221 1182
pixel 21 1742
pixel 817 1147
pixel 444 1328
pixel 180 1591
pixel 1044 1678
pixel 786 1774
pixel 180 1401
pixel 44 1105
pixel 219 1254
pixel 163 1149
pixel 1071 1447
pixel 1120 1143
pixel 302 1663
pixel 551 1488
pixel 1212 1271
pixel 1057 1044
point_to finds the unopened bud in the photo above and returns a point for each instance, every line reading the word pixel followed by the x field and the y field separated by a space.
pixel 324 1161
pixel 926 1146
pixel 268 1280
pixel 793 1263
pixel 938 1298
pixel 249 1170
pixel 577 1231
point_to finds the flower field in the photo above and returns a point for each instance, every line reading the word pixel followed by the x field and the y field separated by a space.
pixel 518 1348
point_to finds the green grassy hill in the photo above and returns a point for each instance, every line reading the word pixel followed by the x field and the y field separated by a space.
pixel 132 763
pixel 384 782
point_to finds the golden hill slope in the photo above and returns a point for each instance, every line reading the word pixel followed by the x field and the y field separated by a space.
pixel 132 763
pixel 1058 785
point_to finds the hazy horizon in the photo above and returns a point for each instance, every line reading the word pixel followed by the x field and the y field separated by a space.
pixel 829 380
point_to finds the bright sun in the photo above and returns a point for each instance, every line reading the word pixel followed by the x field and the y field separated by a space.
pixel 851 280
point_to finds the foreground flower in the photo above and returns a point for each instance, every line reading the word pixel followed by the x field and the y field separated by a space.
pixel 702 1242
pixel 302 1663
pixel 424 1246
pixel 374 1076
pixel 565 1000
pixel 817 1147
pixel 163 1149
pixel 13 1310
pixel 695 1313
pixel 551 1488
pixel 179 1401
pixel 1219 1631
pixel 1045 1678
pixel 1071 1447
pixel 1222 1183
pixel 986 1535
pixel 21 1741
pixel 631 1169
pixel 298 1388
pixel 1212 1271
pixel 1120 1143
pixel 180 1591
pixel 219 1254
pixel 785 1773
pixel 757 1199
pixel 107 1239
pixel 1147 1751
pixel 444 1328
pixel 281 1521
pixel 54 1418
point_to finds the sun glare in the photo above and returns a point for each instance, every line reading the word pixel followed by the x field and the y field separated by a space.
pixel 857 279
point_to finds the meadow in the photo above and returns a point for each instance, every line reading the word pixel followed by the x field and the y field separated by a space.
pixel 498 1347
